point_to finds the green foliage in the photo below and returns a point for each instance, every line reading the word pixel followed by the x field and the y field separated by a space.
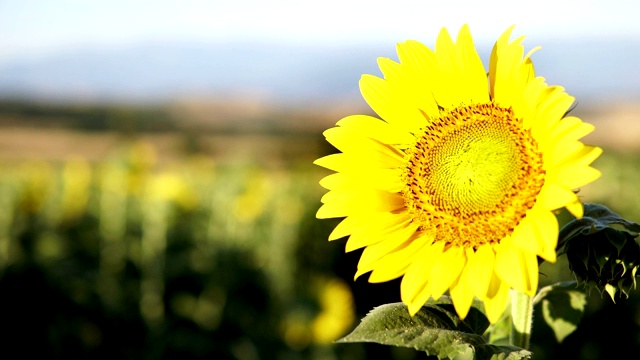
pixel 602 250
pixel 596 217
pixel 436 329
pixel 131 258
pixel 135 259
pixel 562 307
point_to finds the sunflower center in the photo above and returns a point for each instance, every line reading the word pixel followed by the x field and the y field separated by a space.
pixel 472 174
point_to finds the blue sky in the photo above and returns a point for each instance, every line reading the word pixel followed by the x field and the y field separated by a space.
pixel 39 27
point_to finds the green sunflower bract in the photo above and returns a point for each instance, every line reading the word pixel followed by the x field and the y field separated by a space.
pixel 454 186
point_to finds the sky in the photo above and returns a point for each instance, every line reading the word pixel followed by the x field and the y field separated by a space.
pixel 32 28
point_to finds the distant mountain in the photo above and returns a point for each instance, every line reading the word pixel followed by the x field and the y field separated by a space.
pixel 163 71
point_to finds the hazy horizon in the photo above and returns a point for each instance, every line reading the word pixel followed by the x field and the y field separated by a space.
pixel 160 71
pixel 285 50
pixel 34 28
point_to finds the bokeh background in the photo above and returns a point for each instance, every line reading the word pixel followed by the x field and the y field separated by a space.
pixel 157 190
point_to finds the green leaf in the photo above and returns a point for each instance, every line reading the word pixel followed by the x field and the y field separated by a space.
pixel 562 307
pixel 605 216
pixel 435 329
pixel 500 332
pixel 596 218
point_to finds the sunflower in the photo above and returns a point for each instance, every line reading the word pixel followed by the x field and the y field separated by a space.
pixel 455 186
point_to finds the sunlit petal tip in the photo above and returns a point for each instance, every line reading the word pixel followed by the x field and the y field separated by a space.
pixel 481 265
pixel 532 51
pixel 462 294
pixel 506 35
pixel 344 228
pixel 332 162
pixel 325 212
pixel 446 271
pixel 464 35
pixel 359 273
pixel 496 299
pixel 444 42
pixel 576 209
pixel 331 132
pixel 549 255
pixel 462 304
pixel 593 155
pixel 326 182
pixel 553 196
pixel 317 161
pixel 380 275
pixel 391 70
pixel 414 308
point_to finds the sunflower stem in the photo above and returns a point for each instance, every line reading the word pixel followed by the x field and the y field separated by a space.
pixel 521 319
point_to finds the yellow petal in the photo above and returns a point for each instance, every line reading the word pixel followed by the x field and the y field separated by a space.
pixel 349 141
pixel 417 275
pixel 344 228
pixel 553 196
pixel 470 68
pixel 391 242
pixel 576 209
pixel 517 268
pixel 524 235
pixel 570 128
pixel 395 264
pixel 446 270
pixel 584 156
pixel 462 292
pixel 481 265
pixel 389 180
pixel 546 229
pixel 420 61
pixel 508 264
pixel 535 234
pixel 339 203
pixel 553 105
pixel 573 176
pixel 510 72
pixel 419 301
pixel 378 228
pixel 376 129
pixel 355 162
pixel 412 88
pixel 577 154
pixel 533 91
pixel 502 42
pixel 495 302
pixel 558 151
pixel 562 140
pixel 389 101
pixel 333 162
pixel 391 70
pixel 461 78
pixel 364 220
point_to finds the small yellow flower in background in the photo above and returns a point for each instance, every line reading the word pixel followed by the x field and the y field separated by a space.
pixel 171 186
pixel 77 177
pixel 455 187
pixel 325 312
pixel 336 311
pixel 38 184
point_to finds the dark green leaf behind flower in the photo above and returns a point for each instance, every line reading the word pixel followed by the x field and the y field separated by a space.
pixel 602 250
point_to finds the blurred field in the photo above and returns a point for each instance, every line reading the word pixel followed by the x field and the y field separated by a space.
pixel 182 232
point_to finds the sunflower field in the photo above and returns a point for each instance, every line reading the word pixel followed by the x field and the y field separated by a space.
pixel 133 257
